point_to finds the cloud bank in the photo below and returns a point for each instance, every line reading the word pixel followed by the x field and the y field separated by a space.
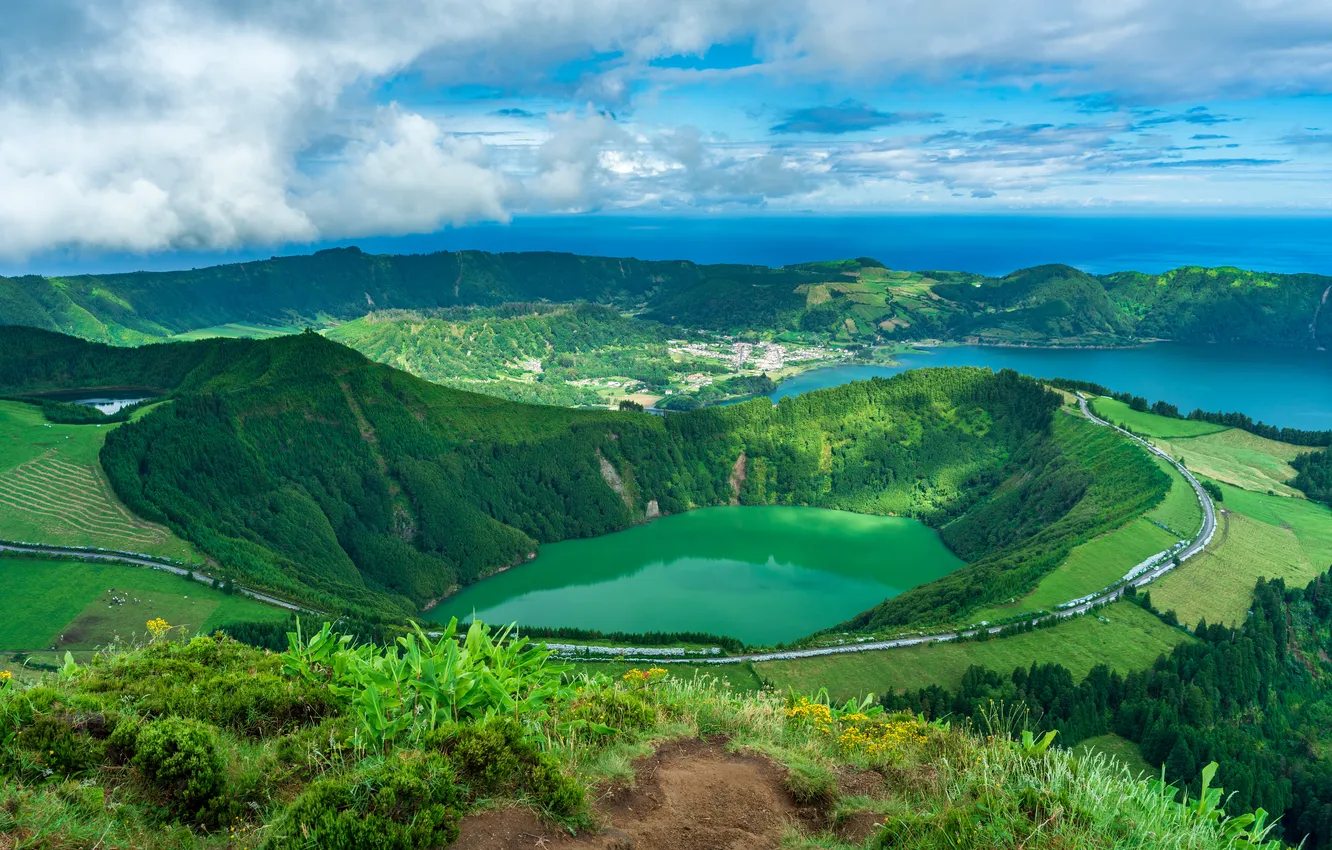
pixel 149 125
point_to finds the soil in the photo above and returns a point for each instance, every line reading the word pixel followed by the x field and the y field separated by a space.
pixel 690 795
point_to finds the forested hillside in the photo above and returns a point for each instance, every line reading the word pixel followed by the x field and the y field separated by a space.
pixel 853 301
pixel 305 468
pixel 1255 699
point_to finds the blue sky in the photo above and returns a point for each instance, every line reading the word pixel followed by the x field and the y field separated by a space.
pixel 144 127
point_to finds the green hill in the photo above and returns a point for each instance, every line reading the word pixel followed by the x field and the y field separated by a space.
pixel 1049 301
pixel 857 301
pixel 305 468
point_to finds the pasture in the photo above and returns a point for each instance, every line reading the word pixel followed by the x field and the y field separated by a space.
pixel 1257 536
pixel 53 490
pixel 1128 639
pixel 48 598
pixel 1149 424
pixel 1239 458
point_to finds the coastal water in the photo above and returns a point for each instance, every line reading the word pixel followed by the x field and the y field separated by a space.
pixel 1284 388
pixel 761 574
pixel 995 243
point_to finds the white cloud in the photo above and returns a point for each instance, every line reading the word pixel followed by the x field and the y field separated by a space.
pixel 146 125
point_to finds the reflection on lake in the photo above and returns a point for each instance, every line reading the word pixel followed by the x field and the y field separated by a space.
pixel 761 574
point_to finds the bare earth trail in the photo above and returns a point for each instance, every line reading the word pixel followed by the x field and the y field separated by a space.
pixel 1200 542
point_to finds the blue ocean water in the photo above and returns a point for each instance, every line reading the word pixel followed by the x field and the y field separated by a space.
pixel 989 244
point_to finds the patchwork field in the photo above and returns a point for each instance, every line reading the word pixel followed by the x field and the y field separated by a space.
pixel 53 490
pixel 71 604
pixel 1149 424
pixel 1128 638
pixel 1257 536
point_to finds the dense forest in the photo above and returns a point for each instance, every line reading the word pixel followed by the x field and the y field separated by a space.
pixel 1255 699
pixel 305 468
pixel 857 301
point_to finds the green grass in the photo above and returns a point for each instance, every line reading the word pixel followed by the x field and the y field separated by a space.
pixel 1090 567
pixel 1239 458
pixel 1149 424
pixel 1180 510
pixel 1130 640
pixel 237 330
pixel 45 598
pixel 1257 536
pixel 739 676
pixel 1104 560
pixel 53 490
pixel 1121 750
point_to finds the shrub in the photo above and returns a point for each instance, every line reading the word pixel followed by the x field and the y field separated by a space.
pixel 496 758
pixel 216 680
pixel 402 802
pixel 622 710
pixel 180 756
pixel 67 744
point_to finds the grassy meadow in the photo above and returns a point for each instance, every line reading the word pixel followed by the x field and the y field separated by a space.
pixel 53 490
pixel 1128 638
pixel 1257 536
pixel 1149 424
pixel 1240 459
pixel 73 599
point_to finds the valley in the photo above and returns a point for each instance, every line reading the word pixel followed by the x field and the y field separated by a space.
pixel 820 509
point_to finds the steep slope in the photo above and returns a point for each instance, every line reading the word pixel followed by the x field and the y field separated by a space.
pixel 1226 305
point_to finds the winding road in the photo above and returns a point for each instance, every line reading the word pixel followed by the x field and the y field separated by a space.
pixel 643 654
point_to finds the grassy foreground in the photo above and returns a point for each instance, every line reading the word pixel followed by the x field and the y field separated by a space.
pixel 207 743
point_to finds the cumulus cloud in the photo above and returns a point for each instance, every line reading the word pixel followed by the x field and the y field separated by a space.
pixel 146 125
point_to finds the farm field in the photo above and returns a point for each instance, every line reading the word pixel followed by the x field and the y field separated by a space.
pixel 1239 458
pixel 1258 536
pixel 73 598
pixel 1149 424
pixel 1128 639
pixel 53 490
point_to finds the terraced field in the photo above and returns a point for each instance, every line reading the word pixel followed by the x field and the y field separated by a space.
pixel 53 490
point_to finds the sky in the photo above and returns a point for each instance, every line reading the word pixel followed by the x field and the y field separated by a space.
pixel 152 128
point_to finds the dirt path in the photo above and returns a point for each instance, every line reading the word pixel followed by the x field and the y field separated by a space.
pixel 690 795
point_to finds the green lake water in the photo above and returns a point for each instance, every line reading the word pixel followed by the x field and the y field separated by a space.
pixel 761 574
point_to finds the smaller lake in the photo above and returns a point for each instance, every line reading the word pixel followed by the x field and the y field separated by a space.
pixel 760 574
pixel 109 400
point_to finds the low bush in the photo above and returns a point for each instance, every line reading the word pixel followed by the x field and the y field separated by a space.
pixel 496 758
pixel 180 757
pixel 401 802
